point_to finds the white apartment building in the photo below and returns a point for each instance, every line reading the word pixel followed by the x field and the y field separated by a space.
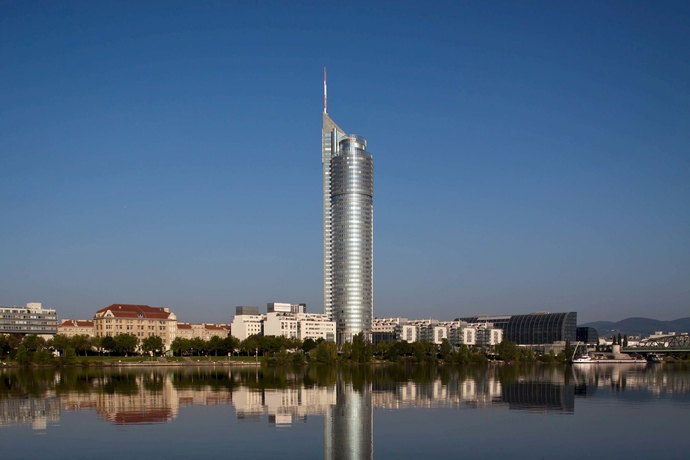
pixel 300 326
pixel 431 330
pixel 245 325
pixel 468 336
pixel 408 332
pixel 384 329
pixel 480 335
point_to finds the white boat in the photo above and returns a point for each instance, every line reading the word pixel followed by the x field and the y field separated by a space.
pixel 606 358
pixel 602 359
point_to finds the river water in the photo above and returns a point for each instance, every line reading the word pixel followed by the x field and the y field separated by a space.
pixel 361 412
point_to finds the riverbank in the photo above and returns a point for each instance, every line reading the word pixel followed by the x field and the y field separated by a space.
pixel 137 361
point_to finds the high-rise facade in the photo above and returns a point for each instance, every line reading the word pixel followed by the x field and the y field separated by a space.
pixel 348 230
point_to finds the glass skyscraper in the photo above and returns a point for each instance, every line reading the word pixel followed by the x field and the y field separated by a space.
pixel 348 230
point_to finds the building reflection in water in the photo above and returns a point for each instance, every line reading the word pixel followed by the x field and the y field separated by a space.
pixel 345 397
pixel 349 424
pixel 34 411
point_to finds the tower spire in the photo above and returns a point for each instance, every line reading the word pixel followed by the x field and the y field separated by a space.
pixel 325 92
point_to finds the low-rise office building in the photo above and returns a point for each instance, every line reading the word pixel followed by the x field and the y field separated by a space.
pixel 32 319
pixel 247 322
pixel 300 326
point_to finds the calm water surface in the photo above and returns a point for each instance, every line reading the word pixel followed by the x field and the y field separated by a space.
pixel 521 412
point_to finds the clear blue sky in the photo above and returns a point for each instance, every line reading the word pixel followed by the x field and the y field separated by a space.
pixel 529 156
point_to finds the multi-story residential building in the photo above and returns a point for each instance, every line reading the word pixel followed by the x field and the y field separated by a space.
pixel 139 320
pixel 72 327
pixel 32 319
pixel 203 331
pixel 300 326
pixel 348 229
pixel 488 336
pixel 383 329
pixel 247 321
pixel 407 332
pixel 434 331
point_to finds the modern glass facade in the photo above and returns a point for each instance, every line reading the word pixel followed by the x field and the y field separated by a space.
pixel 348 170
pixel 541 328
pixel 533 329
pixel 330 135
pixel 587 335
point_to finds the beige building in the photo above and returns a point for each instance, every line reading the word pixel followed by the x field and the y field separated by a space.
pixel 72 327
pixel 139 320
pixel 203 331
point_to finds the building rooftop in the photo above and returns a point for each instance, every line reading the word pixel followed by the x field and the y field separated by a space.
pixel 76 323
pixel 133 311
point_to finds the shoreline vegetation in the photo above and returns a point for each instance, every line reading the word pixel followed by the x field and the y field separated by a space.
pixel 124 350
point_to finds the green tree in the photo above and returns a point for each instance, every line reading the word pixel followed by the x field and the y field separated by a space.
pixel 23 356
pixel 43 357
pixel 108 343
pixel 97 343
pixel 419 351
pixel 346 351
pixel 152 344
pixel 4 345
pixel 215 344
pixel 325 352
pixel 59 342
pixel 126 343
pixel 382 349
pixel 625 340
pixel 249 345
pixel 230 344
pixel 32 342
pixel 507 350
pixel 198 345
pixel 297 358
pixel 69 357
pixel 361 353
pixel 81 343
pixel 445 349
pixel 180 346
pixel 308 345
pixel 620 339
pixel 568 351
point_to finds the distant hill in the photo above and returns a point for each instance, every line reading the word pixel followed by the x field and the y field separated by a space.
pixel 639 326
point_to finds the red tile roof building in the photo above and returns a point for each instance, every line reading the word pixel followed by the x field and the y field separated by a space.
pixel 72 327
pixel 139 320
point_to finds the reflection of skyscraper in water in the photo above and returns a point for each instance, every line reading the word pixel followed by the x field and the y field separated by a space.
pixel 349 425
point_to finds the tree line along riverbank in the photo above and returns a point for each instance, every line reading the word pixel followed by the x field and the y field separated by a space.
pixel 124 349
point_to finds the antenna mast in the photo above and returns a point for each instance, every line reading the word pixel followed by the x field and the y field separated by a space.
pixel 325 92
